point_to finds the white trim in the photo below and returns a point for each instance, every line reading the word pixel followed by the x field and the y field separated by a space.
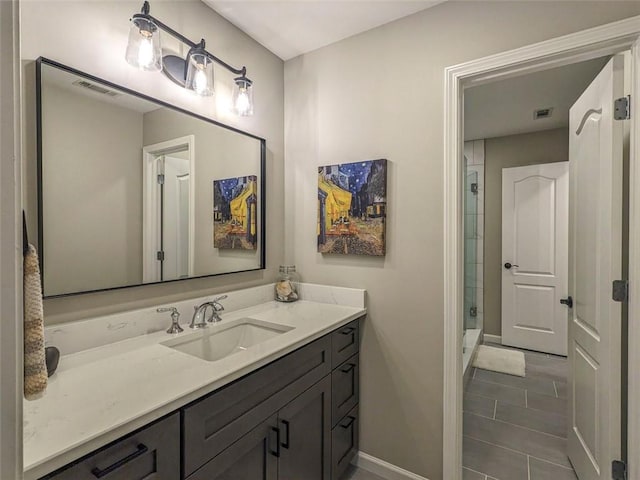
pixel 383 469
pixel 150 201
pixel 633 379
pixel 492 338
pixel 599 41
pixel 11 326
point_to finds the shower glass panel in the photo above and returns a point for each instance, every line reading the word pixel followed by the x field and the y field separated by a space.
pixel 470 252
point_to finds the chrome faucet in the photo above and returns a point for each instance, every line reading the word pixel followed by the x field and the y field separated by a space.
pixel 200 319
pixel 175 318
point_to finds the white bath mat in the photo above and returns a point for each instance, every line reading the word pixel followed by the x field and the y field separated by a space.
pixel 500 360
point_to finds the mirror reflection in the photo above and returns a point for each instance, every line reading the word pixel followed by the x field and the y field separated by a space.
pixel 133 191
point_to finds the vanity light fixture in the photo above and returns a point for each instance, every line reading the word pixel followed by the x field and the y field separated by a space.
pixel 195 72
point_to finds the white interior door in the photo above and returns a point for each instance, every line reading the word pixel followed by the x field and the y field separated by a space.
pixel 535 220
pixel 595 157
pixel 175 211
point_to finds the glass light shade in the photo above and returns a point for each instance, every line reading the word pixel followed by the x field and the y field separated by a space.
pixel 144 50
pixel 200 74
pixel 242 100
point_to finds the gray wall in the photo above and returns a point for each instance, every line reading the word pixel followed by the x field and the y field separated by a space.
pixel 503 152
pixel 106 24
pixel 380 95
pixel 219 154
pixel 93 201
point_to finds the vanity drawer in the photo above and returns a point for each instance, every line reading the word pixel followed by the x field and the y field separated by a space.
pixel 214 423
pixel 345 342
pixel 345 388
pixel 150 454
pixel 344 438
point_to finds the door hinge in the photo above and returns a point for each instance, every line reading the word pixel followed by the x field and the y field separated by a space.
pixel 622 108
pixel 161 179
pixel 620 291
pixel 160 256
pixel 474 188
pixel 618 470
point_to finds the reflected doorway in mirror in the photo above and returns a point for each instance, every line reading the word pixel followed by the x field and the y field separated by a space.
pixel 168 212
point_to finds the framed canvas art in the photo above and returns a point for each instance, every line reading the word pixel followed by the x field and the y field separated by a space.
pixel 352 208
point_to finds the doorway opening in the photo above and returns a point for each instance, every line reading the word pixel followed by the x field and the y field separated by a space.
pixel 516 426
pixel 572 49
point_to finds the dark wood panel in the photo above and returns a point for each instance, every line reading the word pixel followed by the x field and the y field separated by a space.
pixel 150 454
pixel 305 426
pixel 344 444
pixel 223 417
pixel 345 342
pixel 253 457
pixel 345 388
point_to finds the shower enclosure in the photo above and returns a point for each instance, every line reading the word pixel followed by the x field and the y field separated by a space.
pixel 473 232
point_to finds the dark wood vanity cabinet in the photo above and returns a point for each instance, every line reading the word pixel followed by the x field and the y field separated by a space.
pixel 293 419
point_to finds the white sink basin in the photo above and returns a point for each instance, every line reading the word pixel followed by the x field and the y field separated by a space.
pixel 218 342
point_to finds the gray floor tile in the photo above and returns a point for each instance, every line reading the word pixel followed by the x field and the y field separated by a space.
pixel 535 419
pixel 517 438
pixel 494 461
pixel 496 391
pixel 562 389
pixel 547 403
pixel 539 385
pixel 471 475
pixel 552 368
pixel 541 470
pixel 479 405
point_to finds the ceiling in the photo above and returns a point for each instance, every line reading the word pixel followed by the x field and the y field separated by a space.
pixel 506 107
pixel 290 28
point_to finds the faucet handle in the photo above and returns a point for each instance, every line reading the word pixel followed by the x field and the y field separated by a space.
pixel 167 309
pixel 221 297
pixel 218 307
pixel 175 318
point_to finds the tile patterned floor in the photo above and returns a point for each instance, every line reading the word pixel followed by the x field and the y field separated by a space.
pixel 514 427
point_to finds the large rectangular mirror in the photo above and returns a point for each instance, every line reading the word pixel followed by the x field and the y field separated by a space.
pixel 133 191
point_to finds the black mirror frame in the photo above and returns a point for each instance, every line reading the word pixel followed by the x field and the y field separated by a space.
pixel 263 162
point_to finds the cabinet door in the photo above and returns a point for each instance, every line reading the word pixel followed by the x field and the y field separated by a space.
pixel 253 457
pixel 305 426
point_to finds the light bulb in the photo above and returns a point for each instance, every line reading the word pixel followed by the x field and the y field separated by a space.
pixel 200 83
pixel 145 52
pixel 242 102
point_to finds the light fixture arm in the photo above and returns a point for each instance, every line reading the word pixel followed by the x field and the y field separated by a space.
pixel 144 13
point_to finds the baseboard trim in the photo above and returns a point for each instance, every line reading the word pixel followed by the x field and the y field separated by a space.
pixel 384 469
pixel 492 338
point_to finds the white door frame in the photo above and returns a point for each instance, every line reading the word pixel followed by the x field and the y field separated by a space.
pixel 150 220
pixel 584 45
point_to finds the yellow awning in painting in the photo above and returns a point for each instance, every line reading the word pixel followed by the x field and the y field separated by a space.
pixel 239 206
pixel 338 202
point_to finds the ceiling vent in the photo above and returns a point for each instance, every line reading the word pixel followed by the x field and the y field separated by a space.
pixel 542 113
pixel 95 88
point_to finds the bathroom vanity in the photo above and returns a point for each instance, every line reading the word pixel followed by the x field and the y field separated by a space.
pixel 285 408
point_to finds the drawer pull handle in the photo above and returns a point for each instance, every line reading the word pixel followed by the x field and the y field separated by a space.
pixel 347 331
pixel 140 450
pixel 349 422
pixel 348 368
pixel 285 444
pixel 276 452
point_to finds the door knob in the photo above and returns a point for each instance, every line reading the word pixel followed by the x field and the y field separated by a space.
pixel 567 301
pixel 509 265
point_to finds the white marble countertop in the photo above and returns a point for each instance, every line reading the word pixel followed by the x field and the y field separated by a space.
pixel 103 393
